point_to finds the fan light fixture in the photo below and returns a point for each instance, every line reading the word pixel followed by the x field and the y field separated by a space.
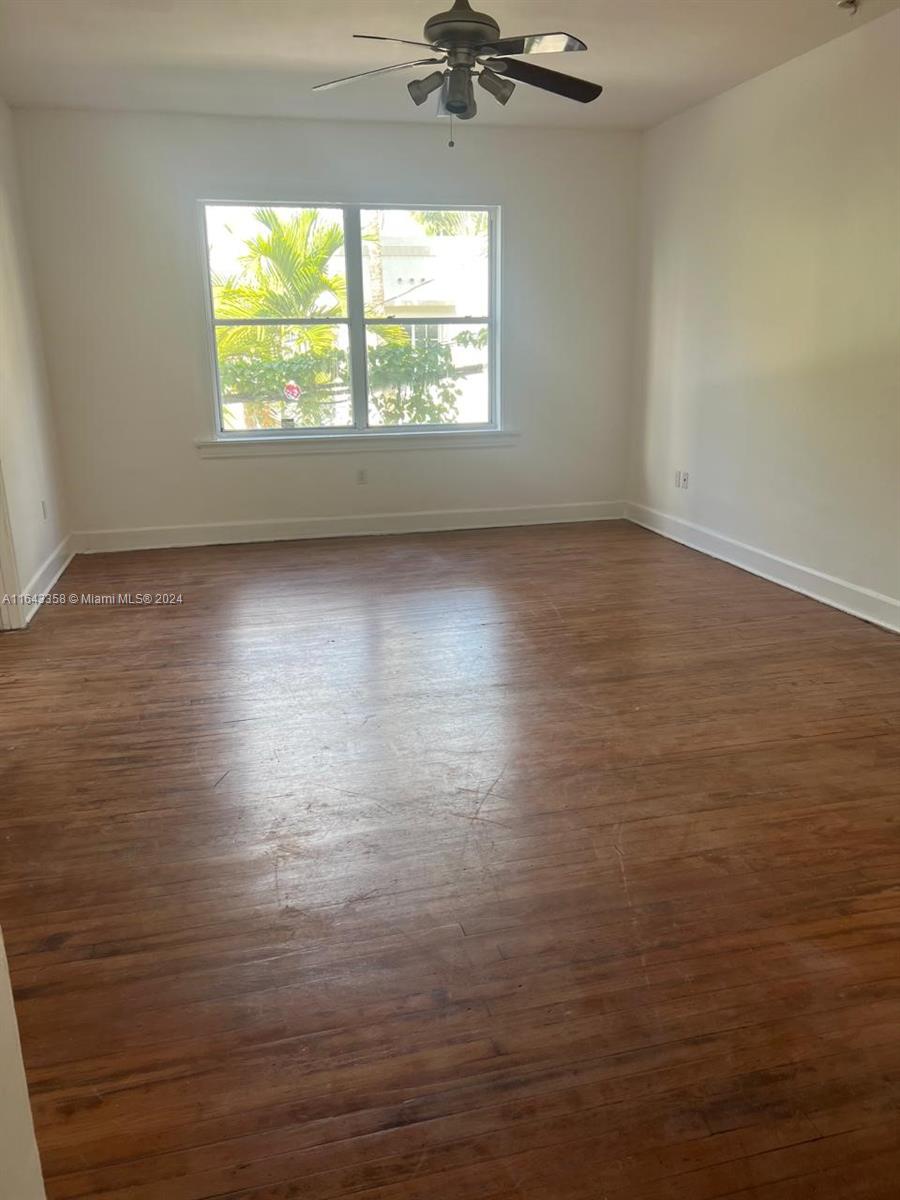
pixel 421 89
pixel 501 89
pixel 459 95
pixel 466 45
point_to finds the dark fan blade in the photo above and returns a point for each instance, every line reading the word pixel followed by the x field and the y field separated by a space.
pixel 535 43
pixel 550 81
pixel 374 37
pixel 418 62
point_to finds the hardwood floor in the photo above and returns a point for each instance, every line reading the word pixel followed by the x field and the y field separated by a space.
pixel 518 864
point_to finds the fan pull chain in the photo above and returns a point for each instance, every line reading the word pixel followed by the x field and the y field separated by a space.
pixel 451 143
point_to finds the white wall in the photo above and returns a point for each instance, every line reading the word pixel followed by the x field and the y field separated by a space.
pixel 28 457
pixel 20 1171
pixel 770 304
pixel 113 217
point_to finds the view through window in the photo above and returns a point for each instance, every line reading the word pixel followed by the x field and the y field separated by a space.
pixel 348 319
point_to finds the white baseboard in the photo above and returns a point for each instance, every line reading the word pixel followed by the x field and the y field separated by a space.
pixel 839 593
pixel 94 541
pixel 46 575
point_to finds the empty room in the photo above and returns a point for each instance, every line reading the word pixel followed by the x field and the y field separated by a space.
pixel 449 599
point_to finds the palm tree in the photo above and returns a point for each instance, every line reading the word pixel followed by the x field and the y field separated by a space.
pixel 287 272
pixel 453 222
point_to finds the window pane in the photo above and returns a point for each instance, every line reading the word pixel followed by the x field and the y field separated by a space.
pixel 424 264
pixel 276 262
pixel 428 374
pixel 284 376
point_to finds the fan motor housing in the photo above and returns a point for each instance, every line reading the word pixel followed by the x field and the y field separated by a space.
pixel 461 26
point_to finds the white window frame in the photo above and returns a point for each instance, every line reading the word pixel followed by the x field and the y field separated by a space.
pixel 360 433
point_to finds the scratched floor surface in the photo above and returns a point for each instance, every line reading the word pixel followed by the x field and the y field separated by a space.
pixel 526 864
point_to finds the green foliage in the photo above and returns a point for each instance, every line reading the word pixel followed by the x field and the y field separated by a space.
pixel 287 272
pixel 412 384
pixel 258 372
pixel 477 341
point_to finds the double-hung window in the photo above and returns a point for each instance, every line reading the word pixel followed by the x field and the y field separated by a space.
pixel 348 319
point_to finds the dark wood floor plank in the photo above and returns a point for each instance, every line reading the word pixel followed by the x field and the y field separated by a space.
pixel 510 863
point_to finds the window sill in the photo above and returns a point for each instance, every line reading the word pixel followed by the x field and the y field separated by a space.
pixel 235 446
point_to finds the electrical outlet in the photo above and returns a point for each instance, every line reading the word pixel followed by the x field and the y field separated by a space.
pixel 678 479
pixel 362 476
pixel 684 479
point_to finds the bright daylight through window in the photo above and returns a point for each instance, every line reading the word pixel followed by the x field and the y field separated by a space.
pixel 352 320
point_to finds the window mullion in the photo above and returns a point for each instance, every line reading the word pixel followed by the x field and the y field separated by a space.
pixel 356 315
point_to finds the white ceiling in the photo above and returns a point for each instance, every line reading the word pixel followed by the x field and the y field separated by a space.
pixel 261 57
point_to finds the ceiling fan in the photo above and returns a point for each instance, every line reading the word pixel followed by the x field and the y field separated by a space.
pixel 470 47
